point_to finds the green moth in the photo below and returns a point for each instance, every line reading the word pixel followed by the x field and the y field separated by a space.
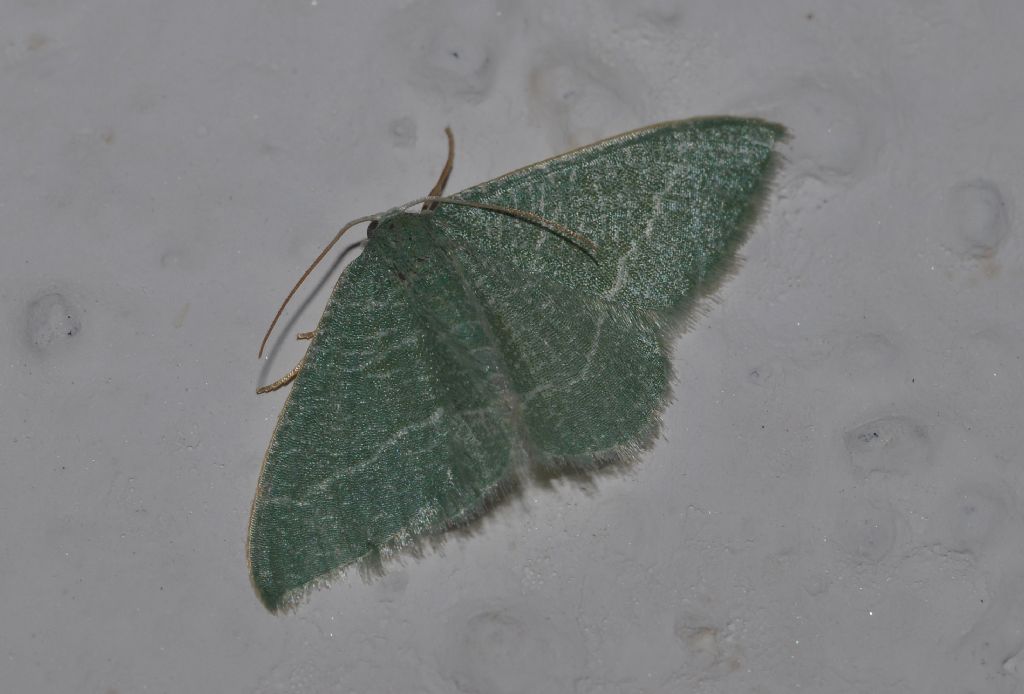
pixel 525 321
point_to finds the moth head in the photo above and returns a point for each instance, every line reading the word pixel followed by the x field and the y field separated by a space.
pixel 390 226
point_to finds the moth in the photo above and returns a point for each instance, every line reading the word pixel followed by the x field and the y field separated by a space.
pixel 524 322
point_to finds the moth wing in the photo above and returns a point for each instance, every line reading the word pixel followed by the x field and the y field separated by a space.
pixel 585 343
pixel 386 435
pixel 588 376
pixel 666 205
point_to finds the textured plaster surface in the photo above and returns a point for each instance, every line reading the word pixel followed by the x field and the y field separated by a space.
pixel 836 503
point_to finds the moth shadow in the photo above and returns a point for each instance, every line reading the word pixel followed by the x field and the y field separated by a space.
pixel 543 476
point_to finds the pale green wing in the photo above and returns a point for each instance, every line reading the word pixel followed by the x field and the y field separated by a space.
pixel 398 424
pixel 666 205
pixel 588 375
pixel 585 343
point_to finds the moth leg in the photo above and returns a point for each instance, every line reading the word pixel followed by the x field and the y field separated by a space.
pixel 283 381
pixel 305 336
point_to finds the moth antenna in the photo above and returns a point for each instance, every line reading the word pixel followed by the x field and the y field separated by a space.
pixel 442 180
pixel 573 236
pixel 302 279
